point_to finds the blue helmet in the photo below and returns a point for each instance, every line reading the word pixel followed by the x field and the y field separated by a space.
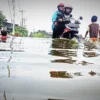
pixel 94 18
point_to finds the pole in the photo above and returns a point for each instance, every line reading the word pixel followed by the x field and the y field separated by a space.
pixel 24 21
pixel 13 3
pixel 22 11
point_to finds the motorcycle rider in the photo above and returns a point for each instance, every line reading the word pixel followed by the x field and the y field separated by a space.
pixel 4 31
pixel 67 18
pixel 4 34
pixel 67 12
pixel 60 20
pixel 56 28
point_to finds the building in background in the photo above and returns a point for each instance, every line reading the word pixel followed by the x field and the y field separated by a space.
pixel 9 26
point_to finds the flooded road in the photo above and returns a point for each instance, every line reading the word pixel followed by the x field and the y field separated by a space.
pixel 46 69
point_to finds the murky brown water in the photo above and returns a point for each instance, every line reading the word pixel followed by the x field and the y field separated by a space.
pixel 46 69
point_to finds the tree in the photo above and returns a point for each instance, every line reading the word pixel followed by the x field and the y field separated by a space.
pixel 42 31
pixel 40 34
pixel 21 31
pixel 3 19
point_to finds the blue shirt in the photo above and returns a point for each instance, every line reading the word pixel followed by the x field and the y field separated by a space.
pixel 54 18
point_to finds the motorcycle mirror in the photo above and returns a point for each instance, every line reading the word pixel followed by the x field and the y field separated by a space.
pixel 80 17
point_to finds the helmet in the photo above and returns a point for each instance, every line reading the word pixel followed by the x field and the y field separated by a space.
pixel 68 7
pixel 60 5
pixel 94 18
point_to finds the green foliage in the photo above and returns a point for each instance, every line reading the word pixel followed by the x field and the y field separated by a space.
pixel 41 31
pixel 21 31
pixel 40 34
pixel 2 19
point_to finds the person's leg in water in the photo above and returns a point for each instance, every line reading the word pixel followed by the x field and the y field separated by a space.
pixel 93 39
pixel 77 36
pixel 54 35
pixel 57 32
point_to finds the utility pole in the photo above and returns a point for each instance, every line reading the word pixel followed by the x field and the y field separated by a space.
pixel 13 4
pixel 22 21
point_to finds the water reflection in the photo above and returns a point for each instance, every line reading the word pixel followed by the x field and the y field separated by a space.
pixel 89 45
pixel 9 59
pixel 11 50
pixel 64 44
pixel 63 53
pixel 60 74
pixel 78 74
pixel 70 61
pixel 61 49
pixel 8 71
pixel 5 98
pixel 90 54
pixel 92 73
pixel 52 84
pixel 98 74
pixel 84 63
pixel 65 74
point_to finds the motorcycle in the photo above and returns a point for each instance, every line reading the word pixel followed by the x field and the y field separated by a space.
pixel 3 38
pixel 71 29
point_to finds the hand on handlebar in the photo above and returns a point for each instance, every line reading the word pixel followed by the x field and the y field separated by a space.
pixel 60 19
pixel 67 21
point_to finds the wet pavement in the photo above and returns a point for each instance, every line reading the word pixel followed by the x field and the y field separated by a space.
pixel 46 69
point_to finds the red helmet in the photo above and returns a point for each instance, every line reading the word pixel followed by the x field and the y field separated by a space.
pixel 61 5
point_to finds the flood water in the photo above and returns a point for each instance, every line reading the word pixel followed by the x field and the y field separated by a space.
pixel 46 69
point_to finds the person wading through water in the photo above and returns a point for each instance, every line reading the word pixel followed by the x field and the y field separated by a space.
pixel 93 29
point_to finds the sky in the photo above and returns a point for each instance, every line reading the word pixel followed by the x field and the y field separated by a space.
pixel 38 13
